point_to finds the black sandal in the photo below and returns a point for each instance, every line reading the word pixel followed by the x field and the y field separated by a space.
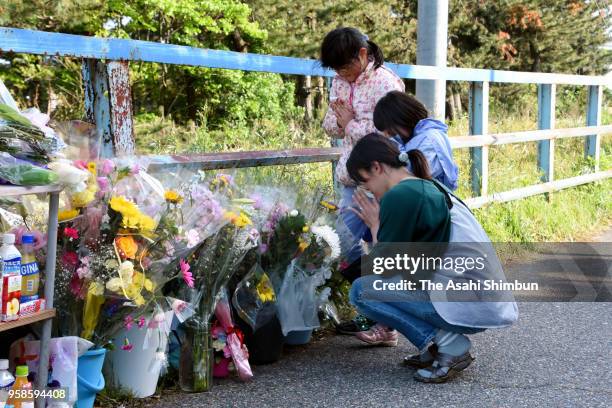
pixel 423 360
pixel 446 367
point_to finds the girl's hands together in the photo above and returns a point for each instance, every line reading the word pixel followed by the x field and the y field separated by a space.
pixel 344 114
pixel 367 209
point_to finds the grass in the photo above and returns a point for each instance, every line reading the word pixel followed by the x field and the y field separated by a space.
pixel 563 216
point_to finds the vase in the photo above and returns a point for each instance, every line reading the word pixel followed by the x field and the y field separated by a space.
pixel 197 359
pixel 298 337
pixel 265 345
pixel 137 369
pixel 90 380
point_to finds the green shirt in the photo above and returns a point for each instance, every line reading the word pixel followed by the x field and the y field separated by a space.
pixel 414 210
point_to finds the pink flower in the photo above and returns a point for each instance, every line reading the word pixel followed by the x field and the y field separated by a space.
pixel 80 164
pixel 126 345
pixel 258 204
pixel 76 287
pixel 71 233
pixel 128 321
pixel 40 239
pixel 186 273
pixel 141 322
pixel 106 167
pixel 135 169
pixel 70 259
pixel 178 306
pixel 263 248
pixel 103 184
pixel 83 272
pixel 157 320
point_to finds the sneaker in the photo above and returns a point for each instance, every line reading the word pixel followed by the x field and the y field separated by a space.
pixel 358 324
pixel 379 335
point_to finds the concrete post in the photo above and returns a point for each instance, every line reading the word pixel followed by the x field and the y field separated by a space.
pixel 432 41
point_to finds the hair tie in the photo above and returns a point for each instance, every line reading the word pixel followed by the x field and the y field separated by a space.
pixel 365 37
pixel 403 157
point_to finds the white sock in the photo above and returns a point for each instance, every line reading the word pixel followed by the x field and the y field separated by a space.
pixel 451 343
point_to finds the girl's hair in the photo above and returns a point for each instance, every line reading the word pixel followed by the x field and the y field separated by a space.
pixel 377 148
pixel 341 46
pixel 398 110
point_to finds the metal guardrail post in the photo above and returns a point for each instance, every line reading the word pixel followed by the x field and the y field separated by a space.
pixel 108 104
pixel 546 120
pixel 479 125
pixel 593 142
pixel 334 143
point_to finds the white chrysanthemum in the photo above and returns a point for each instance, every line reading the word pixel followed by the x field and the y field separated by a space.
pixel 126 270
pixel 328 234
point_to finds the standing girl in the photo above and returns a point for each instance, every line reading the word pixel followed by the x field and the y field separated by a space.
pixel 413 209
pixel 361 81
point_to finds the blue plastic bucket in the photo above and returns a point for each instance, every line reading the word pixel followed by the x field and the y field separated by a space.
pixel 90 380
pixel 298 338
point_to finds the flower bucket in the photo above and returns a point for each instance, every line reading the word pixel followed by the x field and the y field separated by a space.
pixel 90 380
pixel 137 369
pixel 298 338
pixel 266 344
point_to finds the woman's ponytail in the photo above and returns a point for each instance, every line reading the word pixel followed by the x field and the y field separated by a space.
pixel 418 162
pixel 376 53
pixel 378 148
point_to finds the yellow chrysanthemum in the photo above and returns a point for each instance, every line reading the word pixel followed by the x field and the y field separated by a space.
pixel 265 290
pixel 240 220
pixel 146 223
pixel 305 228
pixel 82 198
pixel 130 222
pixel 124 206
pixel 173 197
pixel 303 245
pixel 67 214
pixel 91 166
pixel 329 205
pixel 148 285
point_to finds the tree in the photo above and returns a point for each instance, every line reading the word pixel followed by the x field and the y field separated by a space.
pixel 210 96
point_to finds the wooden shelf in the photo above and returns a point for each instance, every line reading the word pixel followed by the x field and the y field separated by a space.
pixel 24 321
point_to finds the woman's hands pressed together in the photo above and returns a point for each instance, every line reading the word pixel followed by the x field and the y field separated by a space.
pixel 368 210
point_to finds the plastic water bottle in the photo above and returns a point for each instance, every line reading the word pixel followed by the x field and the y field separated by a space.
pixel 6 381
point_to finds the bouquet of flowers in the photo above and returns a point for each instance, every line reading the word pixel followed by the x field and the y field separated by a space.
pixel 297 251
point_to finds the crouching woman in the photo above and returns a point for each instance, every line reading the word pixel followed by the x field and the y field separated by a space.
pixel 413 208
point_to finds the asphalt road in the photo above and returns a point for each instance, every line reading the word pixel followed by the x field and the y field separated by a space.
pixel 557 355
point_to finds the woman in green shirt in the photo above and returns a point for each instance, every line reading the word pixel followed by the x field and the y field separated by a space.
pixel 412 209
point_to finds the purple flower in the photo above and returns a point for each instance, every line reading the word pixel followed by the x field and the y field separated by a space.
pixel 258 201
pixel 106 167
pixel 104 185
